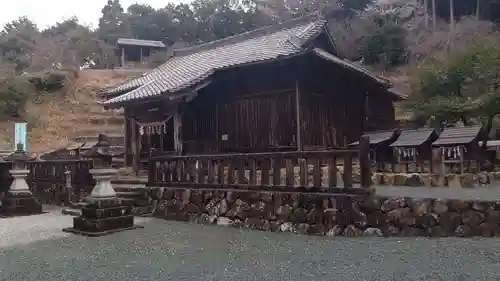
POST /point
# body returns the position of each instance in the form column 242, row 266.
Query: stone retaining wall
column 331, row 215
column 466, row 180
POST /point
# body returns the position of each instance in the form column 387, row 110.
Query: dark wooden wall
column 253, row 109
column 246, row 109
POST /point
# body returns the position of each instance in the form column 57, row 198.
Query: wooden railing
column 312, row 171
column 49, row 180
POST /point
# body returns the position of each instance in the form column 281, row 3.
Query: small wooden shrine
column 413, row 148
column 380, row 151
column 136, row 52
column 459, row 149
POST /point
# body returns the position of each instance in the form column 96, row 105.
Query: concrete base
column 98, row 234
column 20, row 204
column 102, row 216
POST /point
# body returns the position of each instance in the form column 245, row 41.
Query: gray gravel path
column 178, row 251
column 491, row 193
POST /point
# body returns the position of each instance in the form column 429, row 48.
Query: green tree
column 384, row 42
column 18, row 42
column 463, row 86
column 111, row 23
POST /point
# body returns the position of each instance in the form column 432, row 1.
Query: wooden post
column 364, row 161
column 443, row 165
column 178, row 131
column 134, row 145
column 461, row 148
column 128, row 135
column 151, row 168
column 298, row 120
column 123, row 56
column 434, row 17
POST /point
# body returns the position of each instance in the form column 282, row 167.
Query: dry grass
column 55, row 119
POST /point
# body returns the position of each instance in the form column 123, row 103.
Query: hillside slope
column 56, row 119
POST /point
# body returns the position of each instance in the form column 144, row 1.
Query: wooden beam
column 123, row 56
column 298, row 119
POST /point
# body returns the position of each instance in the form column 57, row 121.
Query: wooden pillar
column 364, row 161
column 127, row 137
column 298, row 119
column 178, row 131
column 434, row 17
column 123, row 56
column 134, row 146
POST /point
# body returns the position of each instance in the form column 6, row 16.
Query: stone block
column 400, row 179
column 388, row 178
column 468, row 180
column 377, row 179
column 453, row 181
column 20, row 204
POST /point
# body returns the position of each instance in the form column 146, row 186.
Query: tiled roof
column 458, row 135
column 193, row 65
column 413, row 137
column 351, row 65
column 377, row 137
column 138, row 42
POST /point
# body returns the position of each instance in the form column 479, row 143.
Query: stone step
column 122, row 194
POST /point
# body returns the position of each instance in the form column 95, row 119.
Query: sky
column 47, row 12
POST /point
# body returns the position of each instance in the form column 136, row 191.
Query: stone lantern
column 103, row 213
column 19, row 200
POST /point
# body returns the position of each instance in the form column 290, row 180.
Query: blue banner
column 21, row 135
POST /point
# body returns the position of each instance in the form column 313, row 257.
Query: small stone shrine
column 18, row 200
column 103, row 213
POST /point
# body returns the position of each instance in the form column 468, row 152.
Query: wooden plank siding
column 253, row 109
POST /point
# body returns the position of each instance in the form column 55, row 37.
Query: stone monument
column 103, row 212
column 18, row 200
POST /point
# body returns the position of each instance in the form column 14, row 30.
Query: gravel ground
column 491, row 193
column 178, row 251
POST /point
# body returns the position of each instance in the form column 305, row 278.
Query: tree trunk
column 464, row 120
column 452, row 24
column 434, row 17
column 426, row 14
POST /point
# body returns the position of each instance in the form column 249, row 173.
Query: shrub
column 49, row 81
column 14, row 92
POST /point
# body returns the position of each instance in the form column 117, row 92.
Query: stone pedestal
column 103, row 214
column 19, row 201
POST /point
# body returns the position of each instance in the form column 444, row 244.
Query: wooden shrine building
column 380, row 151
column 135, row 53
column 278, row 88
column 413, row 148
column 459, row 149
